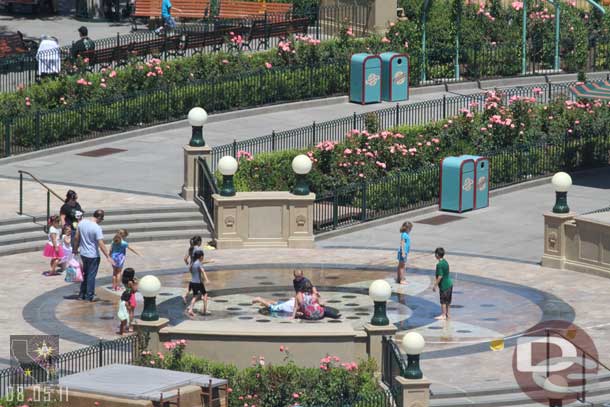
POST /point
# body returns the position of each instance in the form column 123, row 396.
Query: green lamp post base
column 228, row 188
column 301, row 187
column 150, row 310
column 561, row 203
column 197, row 137
column 379, row 316
column 413, row 371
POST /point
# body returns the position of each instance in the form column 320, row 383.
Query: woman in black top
column 71, row 212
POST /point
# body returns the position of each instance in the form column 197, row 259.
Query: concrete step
column 42, row 218
column 133, row 228
column 181, row 234
column 113, row 221
column 597, row 392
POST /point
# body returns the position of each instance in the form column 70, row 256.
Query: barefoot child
column 118, row 252
column 443, row 282
column 53, row 248
column 195, row 244
column 403, row 252
column 127, row 306
column 198, row 277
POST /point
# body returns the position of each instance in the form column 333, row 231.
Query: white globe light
column 301, row 164
column 227, row 165
column 561, row 182
column 413, row 343
column 197, row 117
column 380, row 291
column 149, row 286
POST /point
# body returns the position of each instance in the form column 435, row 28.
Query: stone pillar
column 384, row 12
column 374, row 347
column 415, row 393
column 263, row 219
column 554, row 239
column 191, row 154
column 152, row 328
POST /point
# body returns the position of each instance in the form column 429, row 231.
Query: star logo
column 27, row 372
column 44, row 351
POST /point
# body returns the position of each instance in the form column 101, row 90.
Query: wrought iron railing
column 206, row 187
column 392, row 365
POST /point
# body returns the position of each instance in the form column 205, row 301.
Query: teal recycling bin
column 365, row 79
column 457, row 184
column 481, row 177
column 394, row 77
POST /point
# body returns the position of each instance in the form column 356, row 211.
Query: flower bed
column 334, row 383
column 490, row 129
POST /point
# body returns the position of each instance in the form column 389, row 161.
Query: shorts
column 445, row 296
column 169, row 21
column 197, row 288
column 400, row 258
column 119, row 259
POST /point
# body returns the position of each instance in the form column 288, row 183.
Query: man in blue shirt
column 166, row 14
column 90, row 241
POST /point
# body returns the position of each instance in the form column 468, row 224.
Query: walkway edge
column 213, row 118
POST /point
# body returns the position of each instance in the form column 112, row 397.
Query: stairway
column 597, row 392
column 180, row 222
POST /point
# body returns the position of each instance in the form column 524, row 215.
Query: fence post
column 397, row 113
column 550, row 92
column 168, row 102
column 234, row 148
column 20, row 193
column 335, row 209
column 37, row 129
column 363, row 191
column 313, row 134
column 444, row 107
column 100, row 352
column 46, row 228
column 7, row 139
column 354, row 124
column 272, row 140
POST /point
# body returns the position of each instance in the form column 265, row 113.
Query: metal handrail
column 49, row 192
column 585, row 354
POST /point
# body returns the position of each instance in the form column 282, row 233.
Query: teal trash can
column 481, row 177
column 365, row 79
column 394, row 77
column 457, row 184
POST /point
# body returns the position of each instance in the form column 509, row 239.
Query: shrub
column 333, row 383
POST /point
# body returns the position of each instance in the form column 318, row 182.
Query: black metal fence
column 42, row 129
column 205, row 187
column 399, row 115
column 392, row 365
column 123, row 350
column 400, row 192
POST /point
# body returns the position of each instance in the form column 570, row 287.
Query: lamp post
column 413, row 344
column 227, row 166
column 561, row 183
column 380, row 292
column 149, row 287
column 301, row 165
column 197, row 117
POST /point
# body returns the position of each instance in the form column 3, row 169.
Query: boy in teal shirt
column 443, row 282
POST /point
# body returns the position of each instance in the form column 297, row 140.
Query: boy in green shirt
column 443, row 282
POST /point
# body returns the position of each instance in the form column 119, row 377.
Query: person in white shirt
column 48, row 57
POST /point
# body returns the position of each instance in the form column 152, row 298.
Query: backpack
column 74, row 273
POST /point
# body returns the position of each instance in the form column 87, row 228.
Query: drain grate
column 101, row 152
column 439, row 219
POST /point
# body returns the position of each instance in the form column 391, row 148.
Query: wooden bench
column 249, row 9
column 215, row 39
column 145, row 9
column 106, row 57
column 156, row 47
column 191, row 9
column 13, row 43
column 281, row 29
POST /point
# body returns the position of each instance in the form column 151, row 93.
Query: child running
column 198, row 277
column 53, row 248
column 195, row 244
column 443, row 282
column 118, row 252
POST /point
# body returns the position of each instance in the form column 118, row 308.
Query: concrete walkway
column 153, row 163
